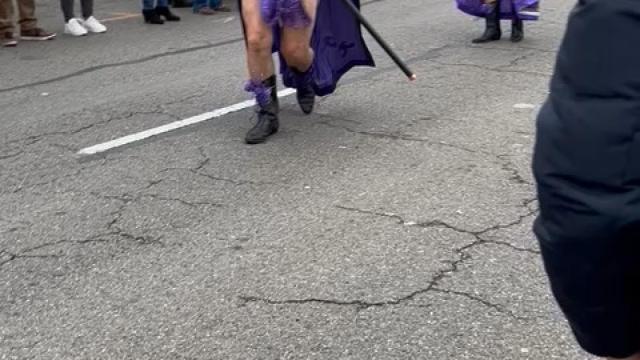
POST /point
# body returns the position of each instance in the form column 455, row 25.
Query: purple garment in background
column 509, row 9
column 338, row 45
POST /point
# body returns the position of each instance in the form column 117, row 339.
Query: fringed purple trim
column 261, row 92
column 289, row 12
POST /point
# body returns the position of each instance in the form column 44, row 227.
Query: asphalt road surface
column 394, row 223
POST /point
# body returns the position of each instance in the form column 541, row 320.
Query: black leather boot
column 492, row 31
column 152, row 17
column 268, row 109
column 180, row 3
column 517, row 30
column 305, row 94
column 168, row 15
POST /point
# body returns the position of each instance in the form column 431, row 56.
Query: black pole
column 401, row 64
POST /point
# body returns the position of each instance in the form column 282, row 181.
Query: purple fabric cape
column 508, row 8
column 338, row 45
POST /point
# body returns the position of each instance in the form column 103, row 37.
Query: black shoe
column 492, row 31
column 268, row 123
column 517, row 31
column 152, row 17
column 166, row 13
column 181, row 3
column 305, row 94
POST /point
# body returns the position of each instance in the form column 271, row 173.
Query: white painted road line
column 95, row 149
column 524, row 106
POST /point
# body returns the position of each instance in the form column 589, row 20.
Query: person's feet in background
column 74, row 27
column 29, row 29
column 78, row 27
column 93, row 25
column 8, row 40
column 209, row 7
column 154, row 15
column 221, row 7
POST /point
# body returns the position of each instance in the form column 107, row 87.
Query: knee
column 258, row 42
column 295, row 53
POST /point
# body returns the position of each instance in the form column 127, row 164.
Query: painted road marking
column 125, row 140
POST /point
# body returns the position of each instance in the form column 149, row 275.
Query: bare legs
column 295, row 49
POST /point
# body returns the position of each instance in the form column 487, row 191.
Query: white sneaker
column 93, row 25
column 74, row 27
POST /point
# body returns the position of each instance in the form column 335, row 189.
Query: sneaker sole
column 37, row 38
column 10, row 44
column 259, row 141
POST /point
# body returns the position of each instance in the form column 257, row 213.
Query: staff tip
column 413, row 77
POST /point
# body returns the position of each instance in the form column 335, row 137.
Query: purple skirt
column 509, row 9
column 338, row 45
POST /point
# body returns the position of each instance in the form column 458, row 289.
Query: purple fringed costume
column 509, row 9
column 337, row 40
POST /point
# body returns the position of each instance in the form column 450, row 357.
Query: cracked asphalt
column 394, row 223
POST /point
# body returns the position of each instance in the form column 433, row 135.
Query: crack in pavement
column 516, row 60
column 509, row 166
column 500, row 69
column 478, row 234
column 506, row 164
column 198, row 171
column 510, row 49
column 499, row 308
column 227, row 180
column 20, row 187
column 112, row 229
column 10, row 156
column 123, row 63
column 394, row 135
column 527, row 203
column 33, row 139
column 192, row 204
column 432, row 285
column 362, row 305
column 100, row 238
column 7, row 257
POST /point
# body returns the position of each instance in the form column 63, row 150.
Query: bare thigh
column 303, row 35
